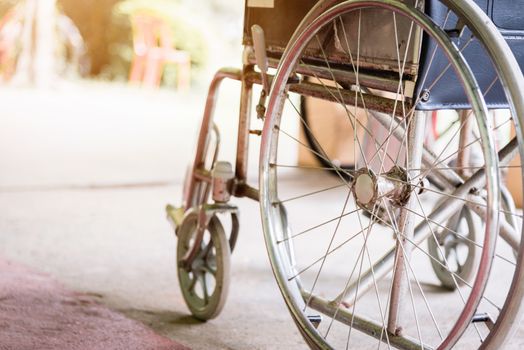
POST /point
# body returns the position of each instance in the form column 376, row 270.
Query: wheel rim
column 273, row 222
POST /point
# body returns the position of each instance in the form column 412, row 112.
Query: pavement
column 86, row 171
column 39, row 313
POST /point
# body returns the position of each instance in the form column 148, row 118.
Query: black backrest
column 447, row 93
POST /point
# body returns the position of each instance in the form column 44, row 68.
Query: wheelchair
column 417, row 243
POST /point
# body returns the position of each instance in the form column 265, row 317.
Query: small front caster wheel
column 205, row 282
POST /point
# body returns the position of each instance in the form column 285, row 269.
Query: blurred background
column 115, row 86
column 94, row 142
column 95, row 38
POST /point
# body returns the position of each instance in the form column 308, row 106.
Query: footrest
column 174, row 215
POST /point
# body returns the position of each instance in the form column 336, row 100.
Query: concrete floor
column 86, row 173
column 39, row 313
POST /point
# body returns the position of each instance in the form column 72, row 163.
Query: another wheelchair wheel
column 359, row 281
column 205, row 283
column 454, row 252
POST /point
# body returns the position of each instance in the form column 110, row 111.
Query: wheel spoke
column 193, row 283
column 321, row 154
column 397, row 237
column 329, row 246
column 309, row 194
column 318, row 226
column 334, row 60
column 328, row 253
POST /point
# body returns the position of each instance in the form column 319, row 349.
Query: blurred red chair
column 10, row 31
column 153, row 49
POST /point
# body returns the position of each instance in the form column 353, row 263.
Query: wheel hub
column 365, row 188
column 369, row 188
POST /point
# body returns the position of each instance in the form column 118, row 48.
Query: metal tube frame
column 406, row 223
column 384, row 265
column 247, row 76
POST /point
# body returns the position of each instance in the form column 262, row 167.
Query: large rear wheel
column 350, row 255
